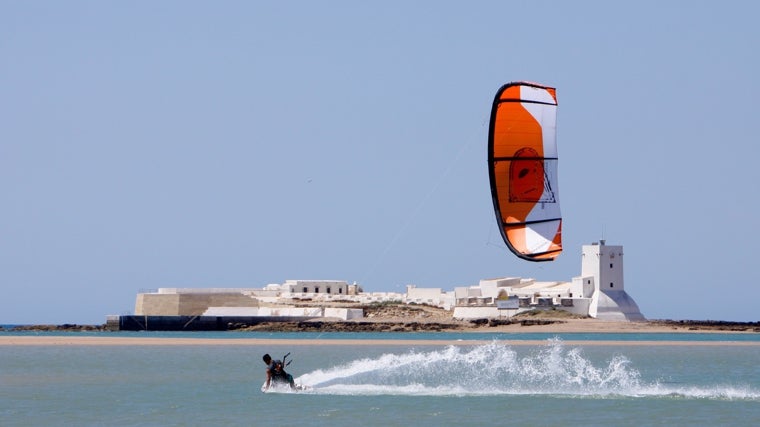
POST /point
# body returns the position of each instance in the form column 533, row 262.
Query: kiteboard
column 283, row 388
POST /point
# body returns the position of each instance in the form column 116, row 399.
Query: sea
column 376, row 379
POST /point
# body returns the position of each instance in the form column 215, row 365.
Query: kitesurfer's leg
column 291, row 381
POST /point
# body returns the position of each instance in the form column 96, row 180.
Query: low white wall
column 580, row 306
column 206, row 290
column 264, row 311
column 333, row 312
column 423, row 294
column 344, row 313
column 231, row 311
column 291, row 311
column 465, row 313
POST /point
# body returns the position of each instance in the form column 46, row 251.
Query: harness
column 279, row 376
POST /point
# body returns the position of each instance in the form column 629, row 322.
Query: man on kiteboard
column 276, row 373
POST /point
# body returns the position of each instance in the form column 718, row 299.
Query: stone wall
column 190, row 304
column 157, row 305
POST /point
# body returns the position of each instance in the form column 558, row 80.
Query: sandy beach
column 131, row 341
column 564, row 326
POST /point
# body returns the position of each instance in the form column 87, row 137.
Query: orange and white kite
column 522, row 167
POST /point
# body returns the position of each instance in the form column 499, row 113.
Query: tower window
column 328, row 290
column 316, row 290
column 305, row 289
column 611, row 284
column 610, row 265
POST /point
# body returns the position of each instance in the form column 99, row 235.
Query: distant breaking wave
column 496, row 369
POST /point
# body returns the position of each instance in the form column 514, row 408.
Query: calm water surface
column 379, row 385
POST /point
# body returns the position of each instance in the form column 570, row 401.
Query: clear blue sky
column 236, row 144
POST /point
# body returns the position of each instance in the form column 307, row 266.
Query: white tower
column 610, row 301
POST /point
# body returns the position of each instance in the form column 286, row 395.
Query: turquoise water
column 380, row 385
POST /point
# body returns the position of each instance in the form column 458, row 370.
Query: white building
column 604, row 265
column 598, row 292
column 319, row 287
column 429, row 296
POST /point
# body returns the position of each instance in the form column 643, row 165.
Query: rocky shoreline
column 422, row 318
column 479, row 325
column 712, row 325
column 488, row 325
column 68, row 327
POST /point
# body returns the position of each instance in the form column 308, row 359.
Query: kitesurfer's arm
column 269, row 379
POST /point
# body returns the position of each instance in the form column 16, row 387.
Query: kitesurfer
column 276, row 373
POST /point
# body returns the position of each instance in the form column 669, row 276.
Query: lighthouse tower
column 610, row 301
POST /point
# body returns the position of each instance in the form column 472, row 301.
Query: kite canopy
column 522, row 167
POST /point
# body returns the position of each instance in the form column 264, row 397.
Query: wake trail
column 495, row 369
